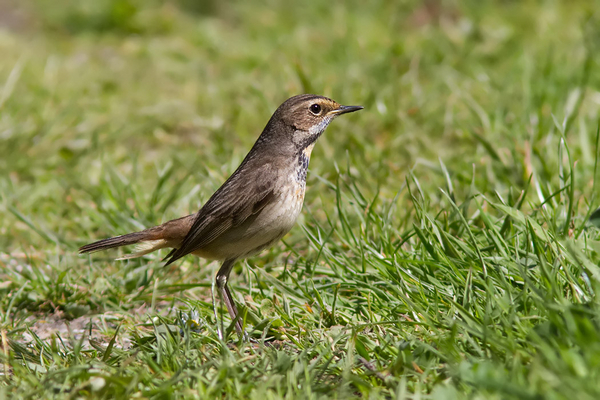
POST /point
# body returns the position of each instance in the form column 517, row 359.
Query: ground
column 445, row 249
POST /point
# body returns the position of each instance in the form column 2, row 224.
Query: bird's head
column 306, row 116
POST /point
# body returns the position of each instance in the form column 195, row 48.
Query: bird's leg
column 214, row 304
column 221, row 279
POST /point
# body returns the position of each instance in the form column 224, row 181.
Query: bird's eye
column 315, row 109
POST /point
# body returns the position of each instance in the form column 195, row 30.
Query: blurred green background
column 139, row 85
column 118, row 115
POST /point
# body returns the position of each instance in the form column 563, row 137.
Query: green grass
column 444, row 250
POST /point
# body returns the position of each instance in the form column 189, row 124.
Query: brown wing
column 244, row 194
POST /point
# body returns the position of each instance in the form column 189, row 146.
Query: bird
column 255, row 207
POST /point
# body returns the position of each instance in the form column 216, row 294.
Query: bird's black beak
column 345, row 109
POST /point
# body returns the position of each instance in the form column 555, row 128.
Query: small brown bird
column 256, row 206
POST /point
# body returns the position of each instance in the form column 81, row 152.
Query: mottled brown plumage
column 256, row 206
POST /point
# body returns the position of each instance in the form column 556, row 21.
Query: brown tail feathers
column 117, row 241
column 145, row 241
column 169, row 234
